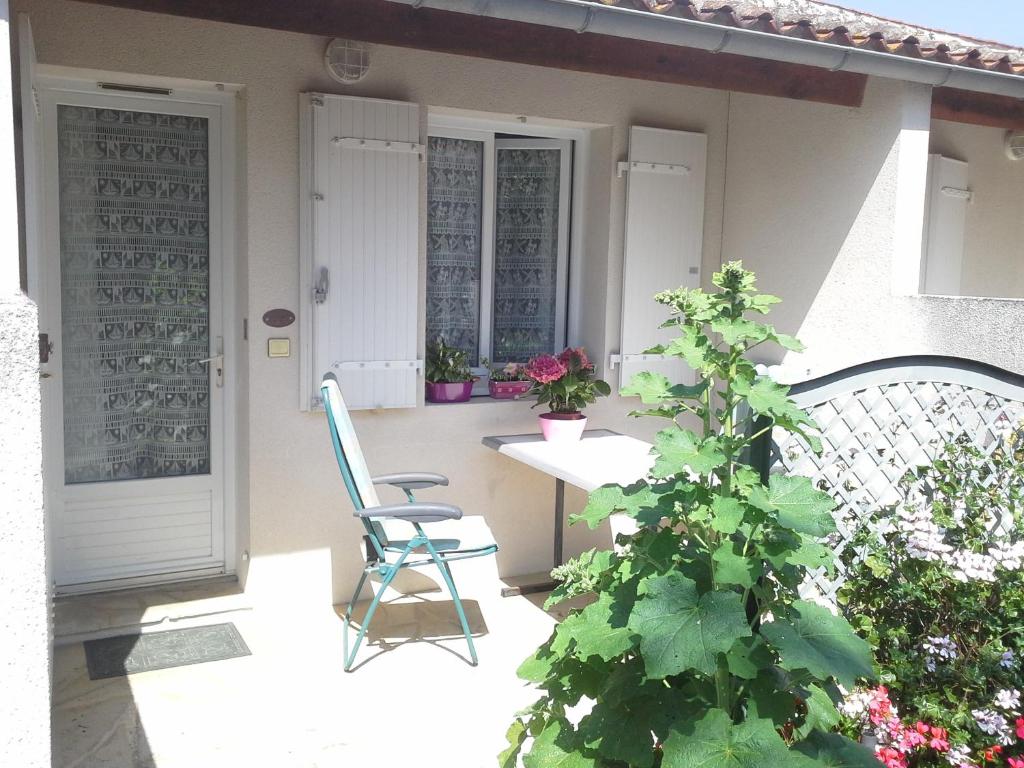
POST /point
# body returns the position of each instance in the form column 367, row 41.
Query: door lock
column 218, row 367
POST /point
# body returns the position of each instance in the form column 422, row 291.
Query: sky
column 999, row 20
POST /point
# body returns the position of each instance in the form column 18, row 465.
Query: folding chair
column 451, row 537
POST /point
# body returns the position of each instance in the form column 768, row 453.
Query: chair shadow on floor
column 406, row 616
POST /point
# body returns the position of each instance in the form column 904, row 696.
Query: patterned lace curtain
column 134, row 241
column 526, row 253
column 454, row 201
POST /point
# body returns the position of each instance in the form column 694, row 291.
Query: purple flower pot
column 562, row 427
column 508, row 390
column 449, row 392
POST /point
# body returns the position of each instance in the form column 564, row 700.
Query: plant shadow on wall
column 696, row 649
column 936, row 585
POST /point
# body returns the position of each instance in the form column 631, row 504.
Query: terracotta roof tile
column 823, row 22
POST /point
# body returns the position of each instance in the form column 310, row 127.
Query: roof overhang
column 583, row 16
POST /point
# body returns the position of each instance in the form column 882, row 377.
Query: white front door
column 134, row 260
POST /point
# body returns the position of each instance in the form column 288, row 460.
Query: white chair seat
column 468, row 534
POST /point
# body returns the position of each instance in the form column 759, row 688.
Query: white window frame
column 574, row 145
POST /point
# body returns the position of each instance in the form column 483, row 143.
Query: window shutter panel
column 664, row 239
column 362, row 160
column 945, row 225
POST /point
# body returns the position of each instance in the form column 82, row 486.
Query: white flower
column 972, row 566
column 1008, row 700
column 1009, row 556
column 959, row 755
column 942, row 647
column 855, row 705
column 1006, row 661
column 993, row 724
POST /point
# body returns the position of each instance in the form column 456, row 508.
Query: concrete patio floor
column 412, row 700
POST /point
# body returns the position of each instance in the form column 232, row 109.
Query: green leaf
column 694, row 347
column 735, row 330
column 621, row 733
column 786, row 341
column 727, row 513
column 600, row 628
column 638, row 501
column 556, row 747
column 733, row 567
column 835, row 751
column 747, row 657
column 821, row 715
column 680, row 448
column 515, row 735
column 680, row 630
column 762, row 302
column 539, row 665
column 813, row 555
column 654, row 388
column 812, row 638
column 715, row 742
column 770, row 399
column 798, row 505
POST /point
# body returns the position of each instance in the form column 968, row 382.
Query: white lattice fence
column 882, row 419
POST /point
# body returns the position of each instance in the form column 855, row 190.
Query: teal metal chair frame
column 379, row 547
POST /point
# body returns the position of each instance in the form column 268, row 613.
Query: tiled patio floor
column 411, row 702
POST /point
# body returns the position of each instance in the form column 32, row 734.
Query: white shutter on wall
column 944, row 226
column 664, row 239
column 361, row 164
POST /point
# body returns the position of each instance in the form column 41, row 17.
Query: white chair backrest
column 353, row 454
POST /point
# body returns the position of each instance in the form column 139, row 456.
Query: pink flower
column 575, row 359
column 1020, row 727
column 545, row 369
column 1015, row 762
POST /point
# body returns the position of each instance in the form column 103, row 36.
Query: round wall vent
column 1015, row 145
column 346, row 60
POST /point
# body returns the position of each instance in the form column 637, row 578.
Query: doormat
column 128, row 654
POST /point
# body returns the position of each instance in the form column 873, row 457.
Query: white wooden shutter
column 361, row 161
column 945, row 226
column 31, row 157
column 664, row 240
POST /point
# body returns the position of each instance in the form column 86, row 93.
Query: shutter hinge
column 318, row 196
column 322, row 286
column 316, row 99
column 316, row 402
column 45, row 347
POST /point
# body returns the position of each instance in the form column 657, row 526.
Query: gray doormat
column 128, row 654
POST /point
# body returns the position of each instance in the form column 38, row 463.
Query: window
column 498, row 211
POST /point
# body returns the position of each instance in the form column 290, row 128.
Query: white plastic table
column 601, row 457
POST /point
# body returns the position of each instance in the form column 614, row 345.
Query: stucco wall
column 814, row 200
column 994, row 242
column 803, row 193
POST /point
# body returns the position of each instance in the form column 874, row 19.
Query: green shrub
column 696, row 649
column 936, row 587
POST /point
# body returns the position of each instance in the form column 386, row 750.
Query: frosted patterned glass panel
column 454, row 206
column 526, row 253
column 135, row 276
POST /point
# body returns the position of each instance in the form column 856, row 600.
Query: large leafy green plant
column 695, row 650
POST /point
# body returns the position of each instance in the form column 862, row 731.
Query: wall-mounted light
column 1014, row 145
column 347, row 61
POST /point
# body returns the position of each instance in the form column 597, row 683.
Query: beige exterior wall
column 994, row 243
column 803, row 193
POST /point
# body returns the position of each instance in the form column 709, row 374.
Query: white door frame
column 216, row 102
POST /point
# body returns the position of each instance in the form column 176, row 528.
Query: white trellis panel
column 882, row 419
column 361, row 165
column 664, row 240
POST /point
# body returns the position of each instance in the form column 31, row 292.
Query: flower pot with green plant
column 509, row 382
column 566, row 384
column 449, row 378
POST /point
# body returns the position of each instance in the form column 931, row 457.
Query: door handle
column 218, row 367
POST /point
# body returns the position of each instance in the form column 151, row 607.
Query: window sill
column 484, row 400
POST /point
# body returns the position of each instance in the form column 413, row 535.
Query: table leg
column 559, row 518
column 548, row 584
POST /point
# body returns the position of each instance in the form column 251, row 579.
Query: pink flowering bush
column 936, row 586
column 565, row 383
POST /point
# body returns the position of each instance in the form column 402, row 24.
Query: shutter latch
column 320, row 289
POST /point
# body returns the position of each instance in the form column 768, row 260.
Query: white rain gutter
column 581, row 16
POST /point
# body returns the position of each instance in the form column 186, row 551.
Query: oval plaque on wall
column 278, row 318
